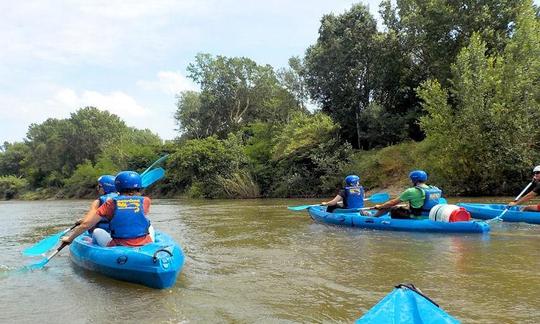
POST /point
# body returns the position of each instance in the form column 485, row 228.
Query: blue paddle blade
column 152, row 176
column 379, row 198
column 37, row 266
column 45, row 245
column 443, row 201
column 40, row 264
column 301, row 207
column 161, row 159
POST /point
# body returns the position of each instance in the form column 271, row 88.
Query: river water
column 254, row 261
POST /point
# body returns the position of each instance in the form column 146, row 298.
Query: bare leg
column 533, row 208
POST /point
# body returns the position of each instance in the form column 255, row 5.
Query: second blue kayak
column 155, row 265
column 489, row 211
column 355, row 219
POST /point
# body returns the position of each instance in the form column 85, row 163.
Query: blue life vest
column 129, row 220
column 432, row 196
column 354, row 197
column 104, row 222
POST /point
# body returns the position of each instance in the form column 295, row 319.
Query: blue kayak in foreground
column 155, row 265
column 355, row 219
column 405, row 304
column 489, row 211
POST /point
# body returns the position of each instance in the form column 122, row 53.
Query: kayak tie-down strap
column 416, row 290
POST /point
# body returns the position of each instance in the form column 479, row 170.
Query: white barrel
column 444, row 212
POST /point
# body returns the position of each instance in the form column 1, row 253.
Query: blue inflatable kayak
column 488, row 211
column 405, row 304
column 354, row 219
column 155, row 265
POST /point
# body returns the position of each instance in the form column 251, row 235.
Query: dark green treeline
column 452, row 87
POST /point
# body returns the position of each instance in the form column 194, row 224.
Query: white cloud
column 116, row 102
column 168, row 82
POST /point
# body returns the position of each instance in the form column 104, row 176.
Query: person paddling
column 532, row 194
column 421, row 198
column 126, row 213
column 106, row 189
column 350, row 196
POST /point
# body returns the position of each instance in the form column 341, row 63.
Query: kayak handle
column 155, row 258
column 416, row 290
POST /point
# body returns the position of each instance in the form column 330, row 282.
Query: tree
column 234, row 92
column 293, row 79
column 433, row 32
column 12, row 157
column 488, row 131
column 340, row 68
column 58, row 146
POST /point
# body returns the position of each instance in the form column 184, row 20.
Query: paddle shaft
column 63, row 245
column 507, row 208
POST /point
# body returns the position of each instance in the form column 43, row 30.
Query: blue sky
column 129, row 57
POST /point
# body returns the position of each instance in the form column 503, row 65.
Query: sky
column 129, row 57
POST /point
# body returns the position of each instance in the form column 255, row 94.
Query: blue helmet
column 352, row 180
column 107, row 183
column 418, row 176
column 127, row 180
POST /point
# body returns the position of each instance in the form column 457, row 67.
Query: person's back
column 351, row 196
column 420, row 197
column 126, row 213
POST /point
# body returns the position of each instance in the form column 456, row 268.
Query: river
column 254, row 261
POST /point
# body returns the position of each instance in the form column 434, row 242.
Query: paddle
column 43, row 262
column 377, row 198
column 47, row 243
column 152, row 176
column 507, row 208
column 161, row 159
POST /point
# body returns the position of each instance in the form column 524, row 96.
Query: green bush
column 11, row 186
column 198, row 164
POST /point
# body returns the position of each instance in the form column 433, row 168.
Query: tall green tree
column 293, row 79
column 58, row 146
column 234, row 92
column 488, row 131
column 12, row 156
column 433, row 32
column 341, row 68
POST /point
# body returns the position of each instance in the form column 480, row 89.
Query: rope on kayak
column 155, row 258
column 416, row 290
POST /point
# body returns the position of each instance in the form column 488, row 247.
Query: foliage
column 58, row 146
column 234, row 92
column 239, row 185
column 293, row 79
column 483, row 132
column 340, row 67
column 433, row 32
column 11, row 157
column 11, row 186
column 199, row 163
column 307, row 154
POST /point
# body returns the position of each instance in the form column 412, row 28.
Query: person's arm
column 93, row 207
column 388, row 204
column 332, row 202
column 525, row 198
column 90, row 220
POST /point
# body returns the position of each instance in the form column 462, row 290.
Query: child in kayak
column 126, row 213
column 351, row 196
